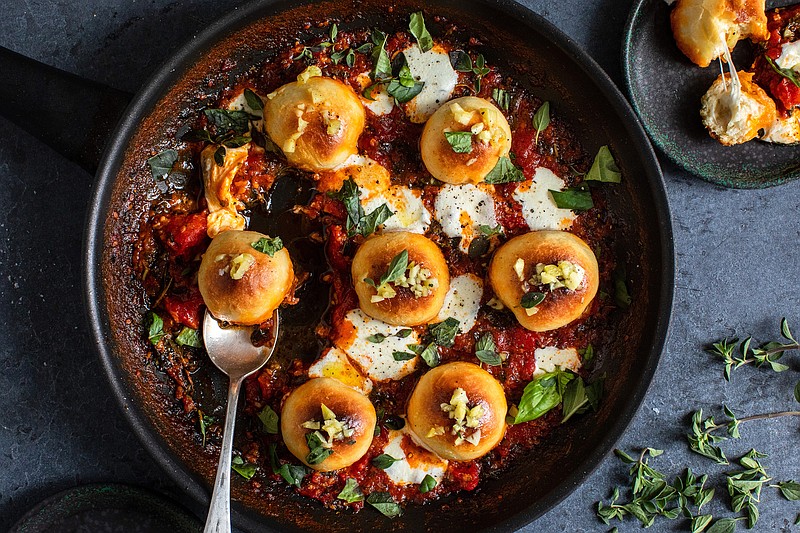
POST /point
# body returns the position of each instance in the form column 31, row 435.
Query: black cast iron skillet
column 513, row 37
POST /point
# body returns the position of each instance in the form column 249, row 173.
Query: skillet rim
column 172, row 70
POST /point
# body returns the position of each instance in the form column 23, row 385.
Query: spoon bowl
column 231, row 349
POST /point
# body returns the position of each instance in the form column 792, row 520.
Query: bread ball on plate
column 315, row 120
column 338, row 420
column 464, row 139
column 458, row 410
column 241, row 284
column 416, row 278
column 546, row 278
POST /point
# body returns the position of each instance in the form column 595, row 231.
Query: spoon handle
column 219, row 513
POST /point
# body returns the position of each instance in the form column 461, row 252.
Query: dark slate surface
column 737, row 257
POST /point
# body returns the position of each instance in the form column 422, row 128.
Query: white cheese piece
column 548, row 358
column 414, row 462
column 434, row 69
column 538, row 207
column 335, row 364
column 410, row 213
column 375, row 359
column 461, row 209
column 790, row 56
column 239, row 103
column 784, row 130
column 463, row 301
column 382, row 103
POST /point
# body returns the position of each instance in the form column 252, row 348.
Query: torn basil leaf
column 541, row 119
column 504, row 172
column 348, row 194
column 351, row 493
column 444, row 333
column 204, row 421
column 403, row 356
column 382, row 65
column 292, row 474
column 161, row 164
column 577, row 198
column 189, row 337
column 269, row 420
column 225, row 120
column 486, row 350
column 430, row 355
column 402, row 93
column 460, row 141
column 219, row 156
column 384, row 461
column 542, row 394
column 461, row 61
column 787, row 73
column 269, row 246
column 155, row 327
column 417, row 28
column 317, row 452
column 377, row 338
column 246, row 470
column 478, row 247
column 375, row 218
column 383, row 502
column 531, row 299
column 604, row 168
column 487, row 230
column 253, row 100
column 428, row 484
column 502, row 98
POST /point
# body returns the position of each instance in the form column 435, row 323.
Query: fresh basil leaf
column 236, row 142
column 790, row 490
column 246, row 470
column 594, row 392
column 226, row 120
column 577, row 198
column 444, row 333
column 269, row 246
column 204, row 421
column 348, row 194
column 368, row 92
column 461, row 61
column 161, row 164
column 575, row 399
column 396, row 268
column 486, row 350
column 541, row 119
column 478, row 247
column 404, row 76
column 430, row 355
column 787, row 73
column 532, row 299
column 384, row 461
column 428, row 484
column 254, row 101
column 317, row 452
column 382, row 65
column 587, row 354
column 341, row 54
column 155, row 328
column 403, row 356
column 395, row 422
column 292, row 474
column 504, row 172
column 189, row 337
column 334, row 32
column 621, row 295
column 375, row 218
column 460, row 141
column 604, row 168
column 490, row 231
column 364, row 48
column 417, row 28
column 197, row 136
column 502, row 98
column 377, row 338
column 403, row 94
column 542, row 394
column 351, row 493
column 383, row 502
column 269, row 420
column 403, row 333
column 219, row 156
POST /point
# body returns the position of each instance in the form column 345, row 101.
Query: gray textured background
column 738, row 272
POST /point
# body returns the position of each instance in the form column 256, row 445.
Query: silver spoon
column 232, row 351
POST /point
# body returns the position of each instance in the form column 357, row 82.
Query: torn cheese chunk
column 785, row 130
column 463, row 301
column 382, row 103
column 413, row 461
column 538, row 207
column 790, row 56
column 549, row 357
column 223, row 211
column 462, row 209
column 433, row 68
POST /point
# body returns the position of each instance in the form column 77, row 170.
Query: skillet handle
column 72, row 115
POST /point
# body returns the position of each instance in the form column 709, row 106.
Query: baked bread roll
column 555, row 264
column 240, row 284
column 483, row 130
column 340, row 419
column 458, row 410
column 416, row 294
column 316, row 121
column 733, row 115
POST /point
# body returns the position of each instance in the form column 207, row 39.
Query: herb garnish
column 269, row 420
column 486, row 350
column 428, row 484
column 532, row 299
column 384, row 461
column 460, row 141
column 189, row 337
column 253, row 100
column 204, row 421
column 383, row 502
column 226, row 120
column 541, row 119
column 767, row 354
column 246, row 470
column 380, row 337
column 502, row 98
column 162, row 163
column 577, row 198
column 155, row 331
column 351, row 493
column 462, row 62
column 604, row 168
column 317, row 451
column 269, row 246
column 790, row 489
column 403, row 356
column 444, row 333
column 504, row 172
column 787, row 73
column 547, row 391
column 404, row 87
column 417, row 28
column 622, row 296
column 393, row 273
column 292, row 474
column 489, row 231
column 356, row 221
column 382, row 65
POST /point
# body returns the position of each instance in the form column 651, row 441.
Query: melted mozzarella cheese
column 434, row 69
column 790, row 56
column 410, row 213
column 239, row 103
column 548, row 358
column 335, row 364
column 413, row 461
column 382, row 103
column 784, row 130
column 460, row 209
column 375, row 359
column 463, row 301
column 538, row 207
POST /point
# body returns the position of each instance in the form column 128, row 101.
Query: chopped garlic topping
column 308, row 73
column 435, row 431
column 240, row 265
column 564, row 274
column 333, row 427
column 415, row 278
column 463, row 417
column 519, row 268
column 460, row 115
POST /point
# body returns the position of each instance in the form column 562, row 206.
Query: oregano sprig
column 735, row 354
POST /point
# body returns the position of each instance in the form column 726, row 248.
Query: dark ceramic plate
column 665, row 89
column 107, row 509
